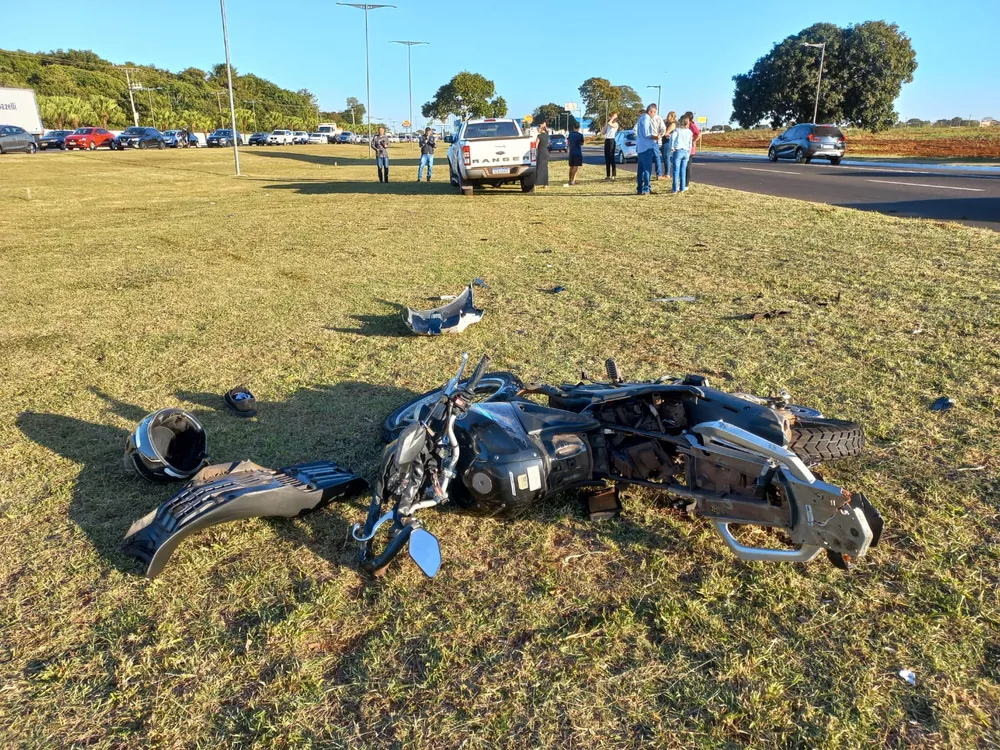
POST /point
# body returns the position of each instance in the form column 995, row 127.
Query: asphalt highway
column 969, row 196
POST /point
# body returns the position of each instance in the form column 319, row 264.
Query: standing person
column 680, row 151
column 695, row 135
column 609, row 132
column 427, row 144
column 645, row 145
column 670, row 125
column 380, row 144
column 542, row 158
column 660, row 129
column 575, row 152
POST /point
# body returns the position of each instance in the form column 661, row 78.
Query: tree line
column 77, row 87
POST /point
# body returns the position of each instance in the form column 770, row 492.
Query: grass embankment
column 134, row 281
column 972, row 145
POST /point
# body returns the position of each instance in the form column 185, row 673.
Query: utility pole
column 409, row 69
column 658, row 92
column 131, row 98
column 253, row 103
column 229, row 77
column 822, row 54
column 368, row 78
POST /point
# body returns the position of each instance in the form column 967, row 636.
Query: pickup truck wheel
column 528, row 184
column 465, row 187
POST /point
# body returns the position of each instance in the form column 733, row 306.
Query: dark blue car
column 558, row 143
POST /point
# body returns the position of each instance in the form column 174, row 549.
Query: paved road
column 951, row 194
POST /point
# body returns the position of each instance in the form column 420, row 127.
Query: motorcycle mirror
column 425, row 551
column 411, row 442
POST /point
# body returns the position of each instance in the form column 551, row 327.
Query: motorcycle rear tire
column 816, row 440
column 497, row 386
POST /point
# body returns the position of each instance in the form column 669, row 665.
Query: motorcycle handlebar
column 477, row 374
column 374, row 565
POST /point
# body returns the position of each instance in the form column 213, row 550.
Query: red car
column 89, row 138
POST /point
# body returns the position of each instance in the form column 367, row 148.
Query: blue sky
column 542, row 52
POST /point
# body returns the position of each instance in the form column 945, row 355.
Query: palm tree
column 79, row 112
column 106, row 109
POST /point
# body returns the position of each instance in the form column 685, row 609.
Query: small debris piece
column 478, row 281
column 971, row 468
column 908, row 675
column 672, row 299
column 554, row 290
column 546, row 250
column 700, row 244
column 942, row 404
column 767, row 314
column 919, row 328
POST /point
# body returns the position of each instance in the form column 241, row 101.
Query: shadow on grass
column 395, row 187
column 340, row 422
column 388, row 325
column 984, row 211
column 333, row 160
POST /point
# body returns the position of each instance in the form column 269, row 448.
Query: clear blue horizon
column 322, row 48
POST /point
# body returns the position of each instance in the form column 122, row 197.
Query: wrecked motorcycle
column 485, row 445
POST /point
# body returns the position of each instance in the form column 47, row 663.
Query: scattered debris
column 765, row 315
column 546, row 250
column 942, row 404
column 672, row 299
column 802, row 618
column 28, row 191
column 908, row 675
column 454, row 317
column 554, row 290
column 521, row 332
column 971, row 468
column 919, row 328
column 212, row 203
column 700, row 244
column 478, row 281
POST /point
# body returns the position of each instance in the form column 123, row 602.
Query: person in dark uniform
column 542, row 159
column 575, row 152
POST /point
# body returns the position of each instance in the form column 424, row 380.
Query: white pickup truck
column 493, row 152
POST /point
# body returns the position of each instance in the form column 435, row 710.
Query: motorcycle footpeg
column 228, row 492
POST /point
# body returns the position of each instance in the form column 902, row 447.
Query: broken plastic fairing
column 228, row 492
column 454, row 317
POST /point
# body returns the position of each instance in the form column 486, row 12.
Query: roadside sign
column 406, row 123
column 701, row 119
column 571, row 106
column 527, row 119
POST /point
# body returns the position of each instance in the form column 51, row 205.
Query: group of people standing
column 664, row 147
column 574, row 144
column 380, row 145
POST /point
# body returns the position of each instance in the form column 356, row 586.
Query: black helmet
column 167, row 445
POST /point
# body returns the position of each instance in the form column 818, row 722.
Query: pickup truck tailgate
column 501, row 152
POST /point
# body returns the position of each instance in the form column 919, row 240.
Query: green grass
column 133, row 281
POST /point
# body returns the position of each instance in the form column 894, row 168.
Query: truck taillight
column 466, row 156
column 534, row 151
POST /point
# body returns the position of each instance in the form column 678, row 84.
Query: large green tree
column 601, row 98
column 553, row 114
column 864, row 69
column 467, row 94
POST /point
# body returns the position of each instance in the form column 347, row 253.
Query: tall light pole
column 822, row 54
column 409, row 70
column 659, row 90
column 229, row 76
column 368, row 79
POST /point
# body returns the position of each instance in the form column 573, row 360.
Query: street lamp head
column 366, row 6
column 409, row 44
column 817, row 45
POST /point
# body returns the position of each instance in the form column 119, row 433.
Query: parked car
column 89, row 138
column 177, row 138
column 194, row 141
column 626, row 143
column 280, row 138
column 139, row 138
column 300, row 137
column 318, row 138
column 492, row 151
column 15, row 138
column 54, row 139
column 807, row 141
column 258, row 139
column 558, row 142
column 346, row 137
column 222, row 137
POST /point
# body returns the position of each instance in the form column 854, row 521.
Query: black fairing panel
column 506, row 466
column 759, row 420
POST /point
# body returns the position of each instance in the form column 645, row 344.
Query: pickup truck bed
column 492, row 152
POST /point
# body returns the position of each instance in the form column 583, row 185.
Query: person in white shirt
column 610, row 131
column 661, row 130
column 680, row 151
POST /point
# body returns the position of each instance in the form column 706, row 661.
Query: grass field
column 133, row 281
column 973, row 145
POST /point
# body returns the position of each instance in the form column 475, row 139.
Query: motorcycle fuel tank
column 516, row 453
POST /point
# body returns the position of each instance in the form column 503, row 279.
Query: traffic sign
column 527, row 119
column 406, row 123
column 571, row 106
column 701, row 119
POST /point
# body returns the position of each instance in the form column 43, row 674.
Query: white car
column 280, row 138
column 300, row 136
column 626, row 144
column 318, row 138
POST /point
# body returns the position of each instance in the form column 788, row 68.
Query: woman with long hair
column 610, row 131
column 680, row 152
column 542, row 159
column 670, row 122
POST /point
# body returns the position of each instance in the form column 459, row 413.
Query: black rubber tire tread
column 510, row 385
column 826, row 439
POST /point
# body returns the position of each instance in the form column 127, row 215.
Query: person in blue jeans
column 646, row 144
column 380, row 145
column 680, row 152
column 427, row 144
